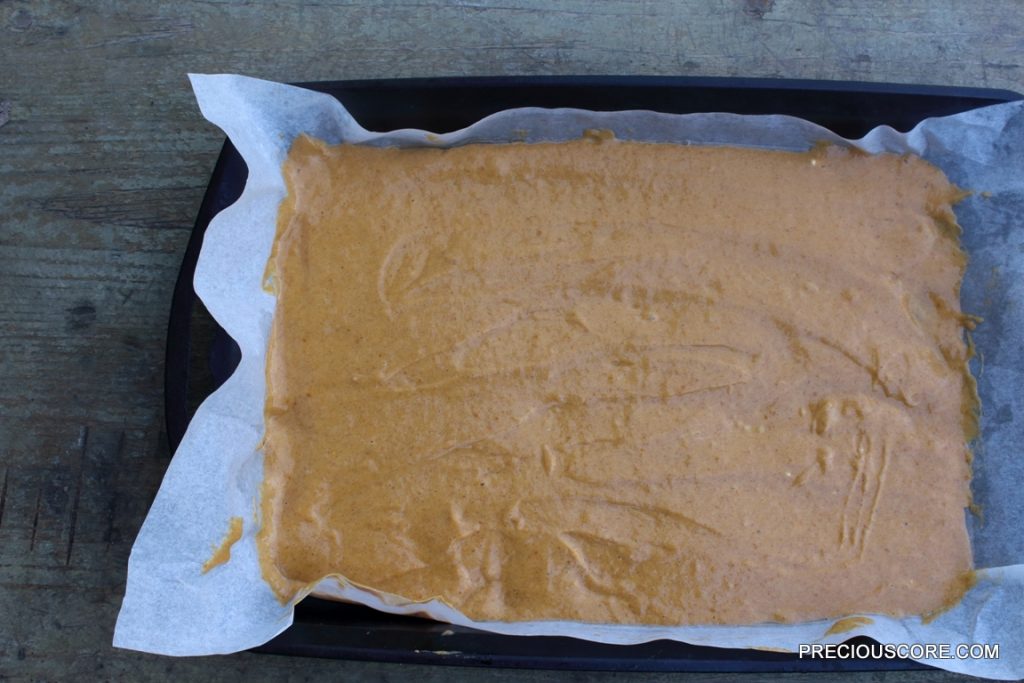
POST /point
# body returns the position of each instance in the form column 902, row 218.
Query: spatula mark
column 863, row 494
column 655, row 512
column 874, row 502
column 409, row 264
column 489, row 437
column 873, row 368
column 593, row 579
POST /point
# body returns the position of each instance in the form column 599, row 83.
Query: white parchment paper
column 171, row 607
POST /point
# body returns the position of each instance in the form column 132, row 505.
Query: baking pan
column 201, row 356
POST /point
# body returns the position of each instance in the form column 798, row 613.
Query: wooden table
column 104, row 160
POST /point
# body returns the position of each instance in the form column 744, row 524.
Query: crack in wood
column 35, row 519
column 84, row 442
column 108, row 536
column 3, row 495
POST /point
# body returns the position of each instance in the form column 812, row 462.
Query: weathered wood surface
column 103, row 161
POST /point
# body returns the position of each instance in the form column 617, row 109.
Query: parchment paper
column 171, row 607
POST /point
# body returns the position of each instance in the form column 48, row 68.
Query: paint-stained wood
column 103, row 162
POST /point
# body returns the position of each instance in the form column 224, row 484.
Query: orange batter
column 619, row 382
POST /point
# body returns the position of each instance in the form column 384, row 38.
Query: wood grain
column 103, row 162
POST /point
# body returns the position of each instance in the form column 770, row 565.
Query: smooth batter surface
column 616, row 382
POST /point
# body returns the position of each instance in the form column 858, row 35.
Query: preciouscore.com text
column 899, row 650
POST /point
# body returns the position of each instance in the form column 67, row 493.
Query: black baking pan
column 200, row 355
